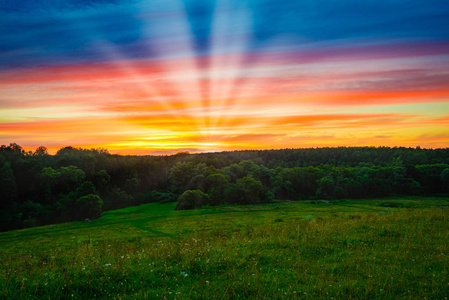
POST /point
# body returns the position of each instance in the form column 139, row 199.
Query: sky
column 162, row 76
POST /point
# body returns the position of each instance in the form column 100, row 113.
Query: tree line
column 74, row 184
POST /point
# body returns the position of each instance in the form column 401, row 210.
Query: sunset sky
column 162, row 76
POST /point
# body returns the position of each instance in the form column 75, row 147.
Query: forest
column 78, row 184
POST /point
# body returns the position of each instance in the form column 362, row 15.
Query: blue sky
column 52, row 32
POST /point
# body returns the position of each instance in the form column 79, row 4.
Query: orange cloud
column 304, row 98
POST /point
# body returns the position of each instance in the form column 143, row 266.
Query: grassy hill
column 365, row 249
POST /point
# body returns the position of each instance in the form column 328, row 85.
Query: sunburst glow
column 158, row 77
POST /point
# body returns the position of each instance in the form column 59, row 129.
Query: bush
column 89, row 206
column 192, row 199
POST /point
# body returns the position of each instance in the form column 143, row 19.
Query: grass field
column 395, row 248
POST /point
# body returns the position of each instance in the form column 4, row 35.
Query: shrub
column 192, row 199
column 89, row 206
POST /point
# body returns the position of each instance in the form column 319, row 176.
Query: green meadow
column 390, row 248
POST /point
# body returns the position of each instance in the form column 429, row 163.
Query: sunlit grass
column 350, row 249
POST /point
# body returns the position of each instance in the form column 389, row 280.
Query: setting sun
column 153, row 78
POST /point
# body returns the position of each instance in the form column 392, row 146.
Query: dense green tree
column 231, row 194
column 430, row 177
column 296, row 183
column 38, row 188
column 41, row 151
column 188, row 175
column 89, row 206
column 192, row 199
column 251, row 191
column 445, row 179
column 31, row 213
column 216, row 184
column 182, row 175
column 102, row 180
column 60, row 181
column 326, row 188
column 132, row 184
column 117, row 198
column 8, row 188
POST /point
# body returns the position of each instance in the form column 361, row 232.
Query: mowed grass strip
column 365, row 249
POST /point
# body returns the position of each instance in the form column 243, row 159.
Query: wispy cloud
column 226, row 74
